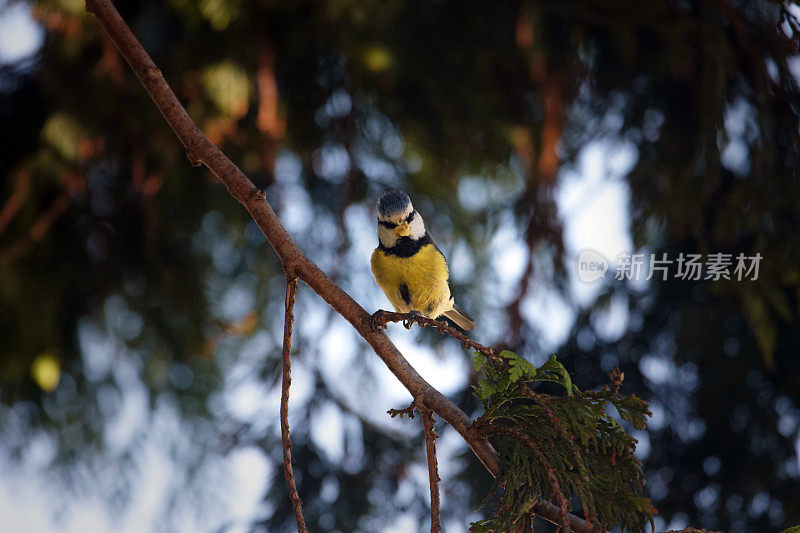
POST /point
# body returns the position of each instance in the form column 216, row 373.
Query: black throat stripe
column 405, row 246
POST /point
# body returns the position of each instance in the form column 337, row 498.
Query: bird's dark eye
column 386, row 224
column 410, row 217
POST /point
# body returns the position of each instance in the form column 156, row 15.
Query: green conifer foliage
column 565, row 448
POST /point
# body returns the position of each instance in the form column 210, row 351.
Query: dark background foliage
column 124, row 268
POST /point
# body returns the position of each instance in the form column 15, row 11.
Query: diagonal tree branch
column 201, row 150
column 297, row 505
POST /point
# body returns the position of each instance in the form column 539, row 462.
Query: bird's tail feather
column 462, row 319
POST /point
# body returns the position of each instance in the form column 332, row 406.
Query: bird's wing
column 437, row 247
column 449, row 285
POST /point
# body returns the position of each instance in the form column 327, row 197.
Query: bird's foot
column 411, row 315
column 376, row 321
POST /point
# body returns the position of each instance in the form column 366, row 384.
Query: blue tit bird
column 408, row 265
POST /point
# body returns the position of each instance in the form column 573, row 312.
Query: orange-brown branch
column 201, row 151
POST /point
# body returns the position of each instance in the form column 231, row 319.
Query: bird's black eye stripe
column 411, row 216
column 386, row 224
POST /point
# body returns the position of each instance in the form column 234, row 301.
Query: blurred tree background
column 141, row 311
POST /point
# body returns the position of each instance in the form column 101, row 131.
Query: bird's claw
column 375, row 321
column 409, row 321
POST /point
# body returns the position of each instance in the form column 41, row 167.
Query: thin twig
column 14, row 202
column 433, row 468
column 382, row 317
column 38, row 230
column 202, row 151
column 297, row 505
column 430, row 449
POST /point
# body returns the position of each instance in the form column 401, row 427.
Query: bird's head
column 397, row 219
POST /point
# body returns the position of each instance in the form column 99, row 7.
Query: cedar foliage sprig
column 560, row 448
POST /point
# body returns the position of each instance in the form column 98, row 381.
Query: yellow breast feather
column 416, row 283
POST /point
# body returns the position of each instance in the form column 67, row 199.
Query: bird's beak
column 402, row 229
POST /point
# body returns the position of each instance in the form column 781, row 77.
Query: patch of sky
column 226, row 254
column 657, row 369
column 659, row 419
column 546, row 308
column 741, row 132
column 122, row 321
column 610, row 322
column 447, row 374
column 133, row 412
column 252, row 470
column 339, row 104
column 793, row 64
column 251, row 348
column 509, row 255
column 315, row 317
column 678, row 522
column 21, row 36
column 402, row 523
column 712, row 465
column 360, row 224
column 97, row 350
column 758, row 504
column 375, row 127
column 708, row 497
column 58, row 404
column 337, row 352
column 789, row 416
column 41, row 451
column 294, row 209
column 288, row 168
column 327, row 431
column 642, row 450
column 593, row 203
column 181, row 376
column 476, row 193
column 329, row 490
column 239, row 299
column 376, row 168
column 462, row 267
column 331, row 162
column 651, row 125
column 392, row 145
column 352, row 462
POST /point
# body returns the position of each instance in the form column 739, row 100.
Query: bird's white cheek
column 416, row 228
column 387, row 237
